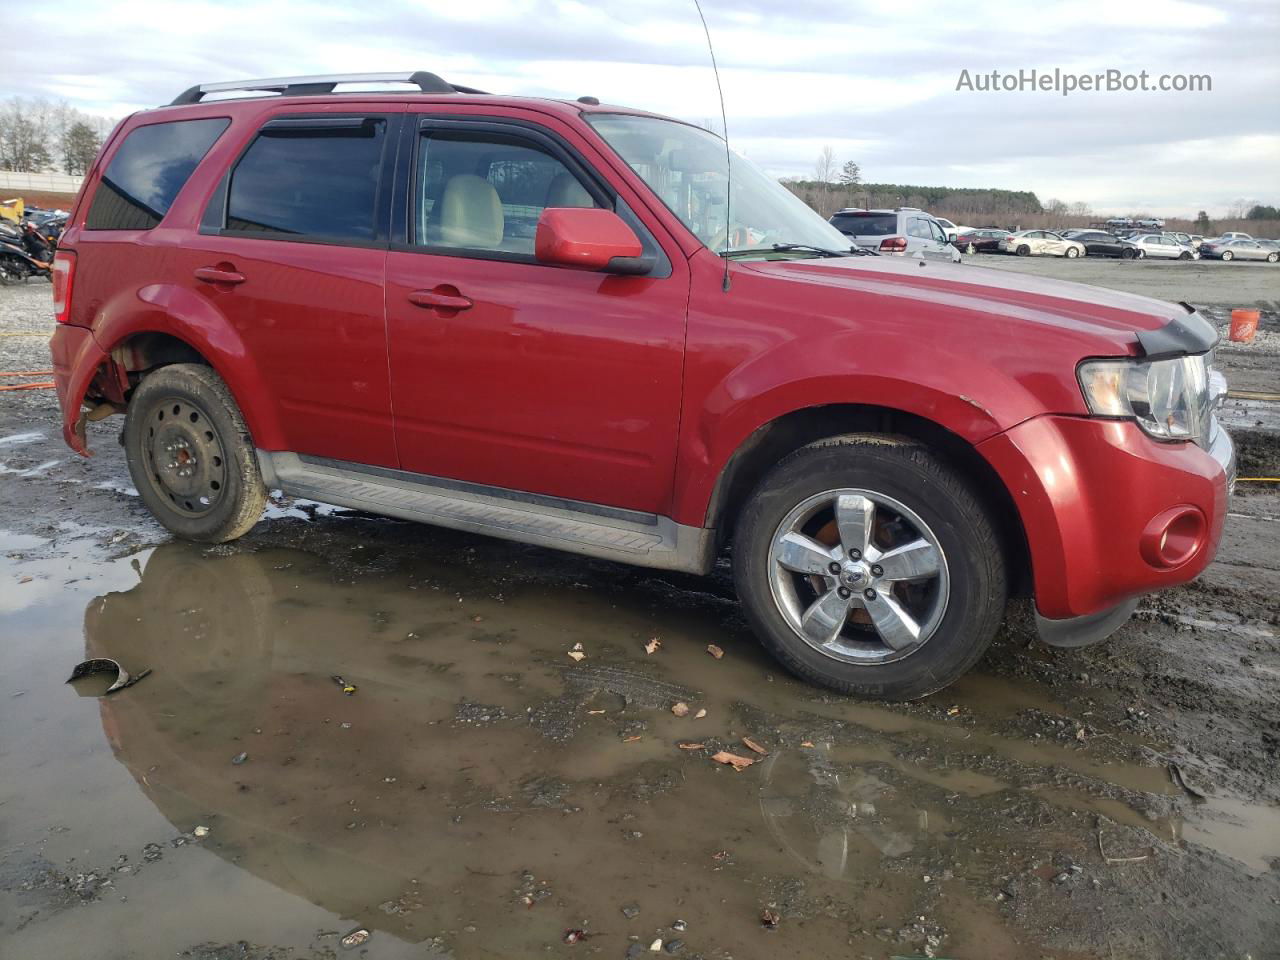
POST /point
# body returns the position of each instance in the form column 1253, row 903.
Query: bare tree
column 22, row 147
column 824, row 171
column 1080, row 209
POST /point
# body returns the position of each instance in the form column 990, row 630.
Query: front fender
column 972, row 402
column 195, row 320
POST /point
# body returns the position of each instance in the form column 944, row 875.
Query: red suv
column 557, row 322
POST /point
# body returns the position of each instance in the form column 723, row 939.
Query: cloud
column 876, row 81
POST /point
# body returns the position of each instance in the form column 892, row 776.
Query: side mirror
column 589, row 238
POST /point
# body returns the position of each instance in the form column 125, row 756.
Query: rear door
column 291, row 251
column 510, row 373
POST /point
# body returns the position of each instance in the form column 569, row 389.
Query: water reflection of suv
column 338, row 294
column 904, row 232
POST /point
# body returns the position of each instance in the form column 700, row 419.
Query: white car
column 1026, row 243
column 1231, row 235
column 950, row 229
column 1163, row 246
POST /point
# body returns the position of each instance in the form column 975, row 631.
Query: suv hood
column 1106, row 322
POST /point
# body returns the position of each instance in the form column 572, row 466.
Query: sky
column 876, row 81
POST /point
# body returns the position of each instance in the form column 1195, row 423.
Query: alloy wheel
column 859, row 576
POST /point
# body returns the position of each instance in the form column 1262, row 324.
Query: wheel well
column 143, row 352
column 773, row 441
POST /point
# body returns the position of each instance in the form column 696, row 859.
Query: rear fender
column 196, row 321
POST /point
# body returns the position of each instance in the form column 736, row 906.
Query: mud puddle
column 480, row 792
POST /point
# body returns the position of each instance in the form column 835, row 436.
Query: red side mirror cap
column 587, row 238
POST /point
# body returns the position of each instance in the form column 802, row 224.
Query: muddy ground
column 480, row 793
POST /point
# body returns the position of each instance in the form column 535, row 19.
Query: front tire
column 868, row 565
column 1024, row 250
column 1072, row 253
column 1273, row 257
column 1228, row 255
column 191, row 456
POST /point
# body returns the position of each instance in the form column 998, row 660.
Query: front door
column 510, row 373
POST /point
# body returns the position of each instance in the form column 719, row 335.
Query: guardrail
column 11, row 180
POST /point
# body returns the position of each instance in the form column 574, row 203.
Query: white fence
column 11, row 181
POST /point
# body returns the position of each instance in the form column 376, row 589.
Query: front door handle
column 222, row 273
column 444, row 298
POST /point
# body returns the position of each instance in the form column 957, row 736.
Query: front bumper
column 1088, row 492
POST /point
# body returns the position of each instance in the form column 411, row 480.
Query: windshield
column 685, row 166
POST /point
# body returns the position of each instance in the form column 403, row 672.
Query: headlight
column 1169, row 399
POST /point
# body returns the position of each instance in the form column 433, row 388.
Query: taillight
column 894, row 244
column 64, row 272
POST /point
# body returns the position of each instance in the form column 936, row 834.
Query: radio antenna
column 728, row 156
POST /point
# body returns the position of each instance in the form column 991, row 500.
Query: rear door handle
column 443, row 297
column 223, row 273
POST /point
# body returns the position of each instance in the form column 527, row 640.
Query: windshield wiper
column 821, row 251
column 786, row 247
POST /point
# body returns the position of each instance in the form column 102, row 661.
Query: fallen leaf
column 714, row 651
column 770, row 919
column 653, row 645
column 952, row 711
column 806, row 743
column 355, row 938
column 732, row 759
column 690, row 746
column 595, row 712
column 752, row 745
column 680, row 709
column 700, row 714
column 1080, row 734
column 578, row 655
column 630, row 739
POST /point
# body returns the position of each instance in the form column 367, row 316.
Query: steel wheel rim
column 876, row 595
column 185, row 461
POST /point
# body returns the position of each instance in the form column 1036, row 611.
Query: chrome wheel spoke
column 897, row 628
column 824, row 619
column 856, row 520
column 803, row 554
column 917, row 560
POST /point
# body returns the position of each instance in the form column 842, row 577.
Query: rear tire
column 1273, row 257
column 952, row 592
column 1127, row 254
column 1184, row 255
column 1072, row 253
column 191, row 456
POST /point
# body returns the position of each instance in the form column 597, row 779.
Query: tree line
column 38, row 135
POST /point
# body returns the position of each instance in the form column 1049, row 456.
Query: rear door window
column 866, row 225
column 145, row 174
column 312, row 178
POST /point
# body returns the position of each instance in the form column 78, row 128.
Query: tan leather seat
column 565, row 191
column 470, row 213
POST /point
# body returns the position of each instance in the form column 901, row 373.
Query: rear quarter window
column 145, row 174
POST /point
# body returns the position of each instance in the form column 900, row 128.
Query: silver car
column 1164, row 247
column 904, row 232
column 1238, row 250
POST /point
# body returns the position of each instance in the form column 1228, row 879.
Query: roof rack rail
column 310, row 86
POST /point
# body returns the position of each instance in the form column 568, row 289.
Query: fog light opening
column 1173, row 537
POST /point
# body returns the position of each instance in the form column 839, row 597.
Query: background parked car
column 1120, row 222
column 1238, row 250
column 950, row 229
column 1163, row 247
column 905, row 232
column 1099, row 243
column 1150, row 222
column 1233, row 235
column 1041, row 243
column 986, row 240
